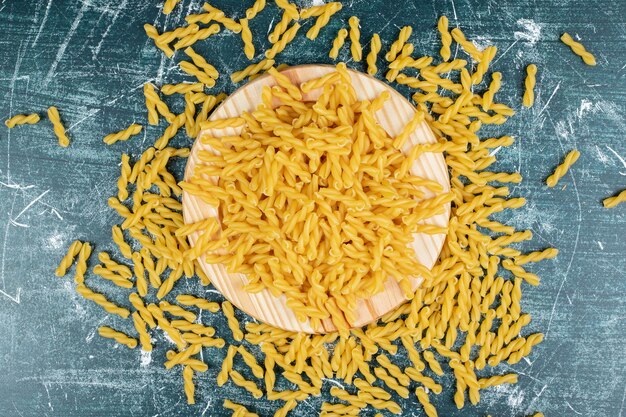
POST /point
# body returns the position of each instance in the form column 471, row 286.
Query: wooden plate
column 392, row 117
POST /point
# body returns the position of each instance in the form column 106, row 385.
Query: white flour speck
column 531, row 31
column 145, row 359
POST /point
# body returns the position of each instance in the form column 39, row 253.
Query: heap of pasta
column 467, row 315
column 315, row 199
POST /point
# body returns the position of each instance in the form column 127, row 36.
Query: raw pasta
column 338, row 43
column 529, row 94
column 59, row 129
column 611, row 202
column 562, row 169
column 125, row 134
column 355, row 34
column 21, row 119
column 578, row 49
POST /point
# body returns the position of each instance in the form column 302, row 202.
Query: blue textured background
column 90, row 58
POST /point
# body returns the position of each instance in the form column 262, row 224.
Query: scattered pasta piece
column 398, row 44
column 59, row 130
column 119, row 337
column 529, row 94
column 375, row 46
column 68, row 259
column 252, row 69
column 562, row 169
column 169, row 6
column 322, row 20
column 614, row 201
column 125, row 134
column 256, row 8
column 246, row 36
column 21, row 119
column 578, row 49
column 355, row 34
column 446, row 38
column 338, row 42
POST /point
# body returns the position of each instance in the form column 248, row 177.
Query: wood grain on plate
column 392, row 117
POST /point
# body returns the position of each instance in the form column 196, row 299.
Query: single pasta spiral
column 338, row 42
column 529, row 83
column 252, row 69
column 21, row 119
column 614, row 201
column 169, row 6
column 246, row 36
column 494, row 86
column 59, row 130
column 188, row 384
column 256, row 8
column 144, row 337
column 537, row 256
column 375, row 46
column 578, row 49
column 355, row 35
column 102, row 301
column 323, row 19
column 422, row 397
column 562, row 169
column 119, row 337
column 202, row 63
column 81, row 264
column 68, row 259
column 125, row 134
column 446, row 38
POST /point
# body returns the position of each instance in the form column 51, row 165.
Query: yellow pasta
column 169, row 6
column 282, row 43
column 59, row 129
column 375, row 46
column 331, row 152
column 469, row 47
column 562, row 169
column 338, row 42
column 190, row 300
column 250, row 386
column 252, row 69
column 537, row 256
column 446, row 38
column 256, row 8
column 102, row 301
column 21, row 119
column 81, row 263
column 182, row 88
column 188, row 384
column 355, row 34
column 200, row 75
column 578, row 49
column 246, row 36
column 322, row 20
column 144, row 337
column 119, row 337
column 201, row 63
column 398, row 44
column 529, row 94
column 68, row 259
column 196, row 36
column 219, row 17
column 125, row 134
column 611, row 202
column 422, row 396
column 233, row 323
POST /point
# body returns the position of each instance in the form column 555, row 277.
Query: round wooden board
column 392, row 117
